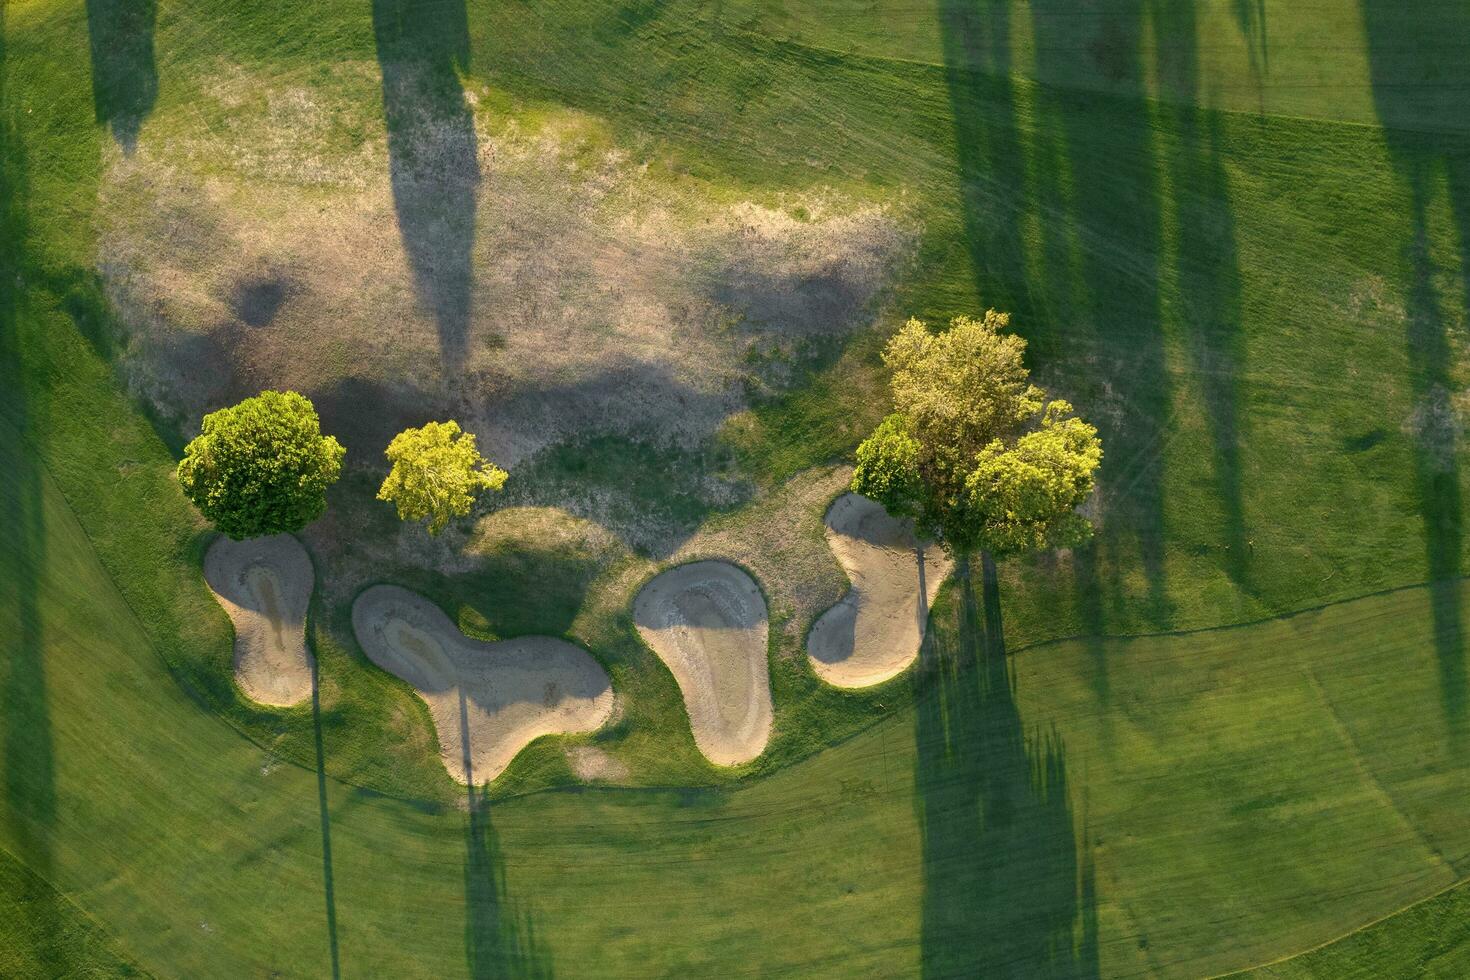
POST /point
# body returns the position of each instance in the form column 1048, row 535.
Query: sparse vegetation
column 262, row 466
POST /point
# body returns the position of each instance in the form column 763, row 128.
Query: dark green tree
column 262, row 466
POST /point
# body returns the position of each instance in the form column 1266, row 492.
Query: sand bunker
column 488, row 700
column 874, row 633
column 265, row 586
column 707, row 621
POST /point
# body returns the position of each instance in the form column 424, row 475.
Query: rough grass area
column 1428, row 939
column 456, row 252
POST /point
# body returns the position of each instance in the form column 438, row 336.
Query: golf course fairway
column 650, row 255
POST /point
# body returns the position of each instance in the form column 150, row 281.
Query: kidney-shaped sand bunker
column 488, row 700
column 874, row 633
column 264, row 584
column 707, row 622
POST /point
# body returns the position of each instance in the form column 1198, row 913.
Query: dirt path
column 874, row 633
column 265, row 584
column 707, row 621
column 488, row 700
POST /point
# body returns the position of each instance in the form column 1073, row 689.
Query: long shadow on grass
column 124, row 76
column 976, row 35
column 1004, row 891
column 1103, row 269
column 423, row 46
column 499, row 942
column 1250, row 17
column 1419, row 58
column 328, row 884
column 25, row 720
column 1206, row 261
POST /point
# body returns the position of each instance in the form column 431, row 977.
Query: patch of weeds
column 651, row 496
column 828, row 407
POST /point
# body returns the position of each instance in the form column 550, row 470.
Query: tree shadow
column 976, row 36
column 328, row 885
column 25, row 721
column 124, row 76
column 1250, row 20
column 1110, row 189
column 433, row 161
column 1414, row 54
column 500, row 941
column 1207, row 261
column 1091, row 305
column 1004, row 891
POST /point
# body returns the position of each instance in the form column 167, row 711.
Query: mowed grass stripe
column 1267, row 57
column 1232, row 727
column 1428, row 939
column 42, row 933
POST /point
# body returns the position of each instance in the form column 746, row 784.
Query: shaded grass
column 1004, row 893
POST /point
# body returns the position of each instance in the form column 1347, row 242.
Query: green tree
column 437, row 471
column 972, row 451
column 262, row 466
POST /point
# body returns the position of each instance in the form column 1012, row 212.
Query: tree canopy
column 436, row 474
column 973, row 452
column 262, row 466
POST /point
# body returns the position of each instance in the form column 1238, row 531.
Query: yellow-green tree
column 973, row 452
column 436, row 474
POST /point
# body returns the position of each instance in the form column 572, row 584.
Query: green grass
column 43, row 934
column 1257, row 56
column 1253, row 305
column 1202, row 814
column 1428, row 939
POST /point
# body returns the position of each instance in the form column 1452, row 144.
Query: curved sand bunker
column 707, row 622
column 488, row 700
column 874, row 633
column 264, row 584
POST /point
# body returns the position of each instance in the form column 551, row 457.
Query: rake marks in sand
column 707, row 621
column 488, row 700
column 874, row 633
column 265, row 584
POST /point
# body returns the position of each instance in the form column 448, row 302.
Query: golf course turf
column 1234, row 732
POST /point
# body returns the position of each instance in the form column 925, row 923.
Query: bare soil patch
column 488, row 700
column 707, row 622
column 874, row 633
column 265, row 584
column 592, row 765
column 538, row 279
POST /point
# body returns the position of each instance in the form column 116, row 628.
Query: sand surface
column 488, row 700
column 265, row 584
column 707, row 621
column 874, row 633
